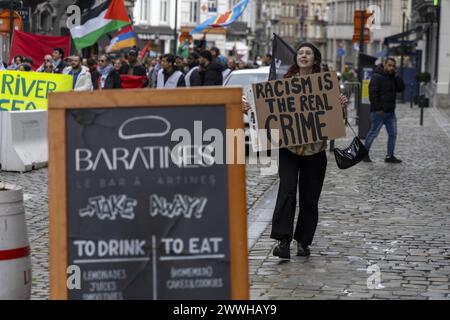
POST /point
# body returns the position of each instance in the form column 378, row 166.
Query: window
column 331, row 13
column 144, row 10
column 212, row 6
column 164, row 11
column 193, row 18
column 386, row 11
column 341, row 11
column 352, row 13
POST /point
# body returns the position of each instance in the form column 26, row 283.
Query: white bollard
column 15, row 260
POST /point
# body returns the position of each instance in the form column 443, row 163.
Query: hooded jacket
column 383, row 90
column 84, row 81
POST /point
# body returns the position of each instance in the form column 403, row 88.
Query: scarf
column 105, row 71
column 104, row 74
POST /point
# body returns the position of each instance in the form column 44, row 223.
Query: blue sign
column 24, row 12
column 341, row 52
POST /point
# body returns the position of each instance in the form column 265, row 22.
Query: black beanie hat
column 317, row 54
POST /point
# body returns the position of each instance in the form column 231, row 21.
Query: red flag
column 117, row 11
column 36, row 46
column 144, row 50
column 132, row 82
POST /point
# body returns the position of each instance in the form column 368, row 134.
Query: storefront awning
column 397, row 38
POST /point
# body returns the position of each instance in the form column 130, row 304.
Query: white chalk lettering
column 110, row 208
column 184, row 205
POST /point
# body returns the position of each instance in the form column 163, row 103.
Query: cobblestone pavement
column 395, row 218
column 36, row 205
column 384, row 229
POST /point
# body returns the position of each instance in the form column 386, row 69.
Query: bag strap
column 351, row 128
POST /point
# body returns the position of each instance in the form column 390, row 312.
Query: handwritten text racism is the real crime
column 297, row 106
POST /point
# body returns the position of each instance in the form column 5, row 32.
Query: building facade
column 154, row 20
column 434, row 20
column 340, row 48
column 49, row 17
column 293, row 20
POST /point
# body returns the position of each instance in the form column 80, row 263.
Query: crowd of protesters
column 207, row 67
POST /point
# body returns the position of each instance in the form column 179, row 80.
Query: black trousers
column 307, row 173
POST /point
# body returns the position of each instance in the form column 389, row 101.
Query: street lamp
column 402, row 47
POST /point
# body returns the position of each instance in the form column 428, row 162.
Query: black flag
column 282, row 57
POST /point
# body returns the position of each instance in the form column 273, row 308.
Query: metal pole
column 361, row 44
column 421, row 116
column 402, row 50
column 360, row 69
column 411, row 95
column 175, row 29
column 302, row 22
column 11, row 22
column 358, row 102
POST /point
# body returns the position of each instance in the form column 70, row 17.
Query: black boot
column 283, row 249
column 302, row 250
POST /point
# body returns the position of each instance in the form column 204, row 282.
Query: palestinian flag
column 109, row 16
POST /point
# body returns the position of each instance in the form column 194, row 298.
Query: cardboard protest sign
column 21, row 91
column 304, row 110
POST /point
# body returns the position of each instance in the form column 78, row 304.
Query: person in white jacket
column 82, row 80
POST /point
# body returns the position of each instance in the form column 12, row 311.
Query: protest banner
column 304, row 110
column 21, row 91
column 36, row 46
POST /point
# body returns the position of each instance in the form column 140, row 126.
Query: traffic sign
column 24, row 12
column 361, row 14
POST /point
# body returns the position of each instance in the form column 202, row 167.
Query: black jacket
column 112, row 81
column 196, row 79
column 212, row 76
column 60, row 67
column 136, row 70
column 383, row 90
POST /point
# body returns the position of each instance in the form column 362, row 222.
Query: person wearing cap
column 134, row 67
column 209, row 70
column 300, row 168
column 169, row 76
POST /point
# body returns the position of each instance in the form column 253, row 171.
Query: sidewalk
column 384, row 229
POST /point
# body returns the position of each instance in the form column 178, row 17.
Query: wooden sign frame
column 59, row 103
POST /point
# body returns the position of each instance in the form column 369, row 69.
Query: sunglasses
column 101, row 60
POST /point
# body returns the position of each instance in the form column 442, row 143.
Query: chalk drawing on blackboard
column 144, row 135
column 110, row 207
column 182, row 205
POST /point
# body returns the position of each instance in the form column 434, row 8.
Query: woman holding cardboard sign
column 303, row 168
